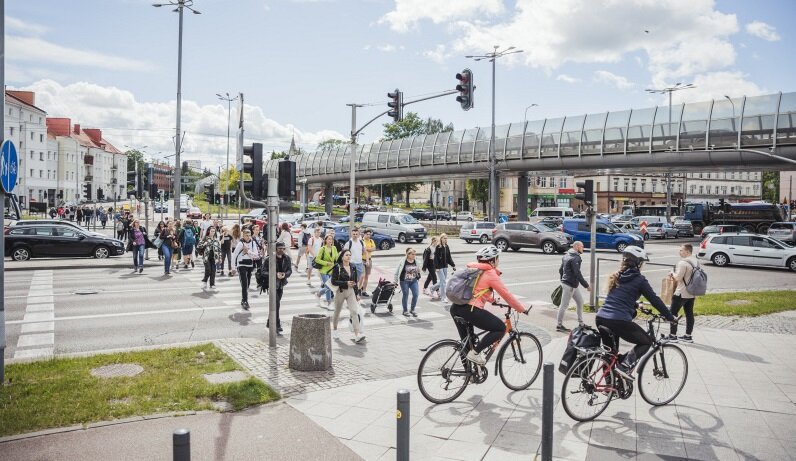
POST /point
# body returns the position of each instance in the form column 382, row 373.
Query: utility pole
column 352, row 166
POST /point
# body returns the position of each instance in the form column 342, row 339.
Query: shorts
column 360, row 270
column 187, row 249
column 310, row 259
column 368, row 266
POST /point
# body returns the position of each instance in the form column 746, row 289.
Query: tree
column 329, row 143
column 277, row 155
column 232, row 176
column 478, row 191
column 770, row 192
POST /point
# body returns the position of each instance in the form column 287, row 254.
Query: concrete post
column 328, row 193
column 273, row 217
column 547, row 411
column 593, row 281
column 402, row 415
column 305, row 192
column 522, row 197
column 181, row 440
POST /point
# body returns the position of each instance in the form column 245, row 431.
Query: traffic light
column 286, row 182
column 139, row 186
column 131, row 179
column 87, row 191
column 255, row 169
column 100, row 194
column 153, row 191
column 585, row 192
column 184, row 168
column 396, row 104
column 210, row 193
column 465, row 88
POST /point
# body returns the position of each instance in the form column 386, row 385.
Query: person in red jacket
column 484, row 292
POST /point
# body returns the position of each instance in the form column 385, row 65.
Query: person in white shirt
column 313, row 246
column 302, row 247
column 357, row 247
column 204, row 224
column 683, row 271
column 286, row 238
column 245, row 254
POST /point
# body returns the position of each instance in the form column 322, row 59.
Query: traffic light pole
column 593, row 282
column 273, row 218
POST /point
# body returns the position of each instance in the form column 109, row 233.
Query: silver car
column 747, row 249
column 784, row 231
column 516, row 235
column 662, row 230
column 477, row 231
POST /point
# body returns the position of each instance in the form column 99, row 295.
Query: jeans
column 567, row 293
column 226, row 255
column 630, row 332
column 245, row 276
column 406, row 286
column 138, row 256
column 442, row 275
column 688, row 306
column 324, row 289
column 210, row 271
column 166, row 257
column 482, row 319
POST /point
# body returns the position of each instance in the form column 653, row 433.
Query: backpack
column 698, row 285
column 189, row 238
column 459, row 289
column 305, row 239
column 584, row 337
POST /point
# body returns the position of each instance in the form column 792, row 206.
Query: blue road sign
column 387, row 200
column 9, row 164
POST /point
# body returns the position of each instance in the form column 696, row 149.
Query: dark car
column 441, row 214
column 383, row 241
column 48, row 240
column 420, row 213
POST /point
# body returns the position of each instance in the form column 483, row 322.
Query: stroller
column 383, row 295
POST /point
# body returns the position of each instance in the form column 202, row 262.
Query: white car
column 747, row 249
column 464, row 216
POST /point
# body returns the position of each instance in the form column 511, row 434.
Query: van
column 399, row 226
column 551, row 211
column 649, row 219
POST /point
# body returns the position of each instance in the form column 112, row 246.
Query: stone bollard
column 310, row 343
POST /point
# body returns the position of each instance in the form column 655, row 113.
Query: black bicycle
column 445, row 372
column 592, row 381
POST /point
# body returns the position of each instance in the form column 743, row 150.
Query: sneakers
column 476, row 358
column 204, row 285
column 309, row 284
column 358, row 338
column 192, row 264
column 365, row 294
column 244, row 305
column 406, row 314
column 687, row 338
column 141, row 270
column 279, row 330
column 335, row 334
column 671, row 338
column 562, row 329
column 212, row 287
column 624, row 371
column 414, row 314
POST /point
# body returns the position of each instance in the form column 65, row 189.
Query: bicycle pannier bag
column 583, row 337
column 461, row 285
column 698, row 285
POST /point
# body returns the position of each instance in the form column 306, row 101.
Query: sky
column 112, row 64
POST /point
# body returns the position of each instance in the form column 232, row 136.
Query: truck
column 751, row 217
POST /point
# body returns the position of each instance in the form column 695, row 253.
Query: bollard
column 547, row 411
column 182, row 445
column 402, row 417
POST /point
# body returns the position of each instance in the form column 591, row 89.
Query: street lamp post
column 669, row 90
column 180, row 5
column 494, row 193
column 226, row 167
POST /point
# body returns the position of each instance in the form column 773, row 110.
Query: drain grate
column 85, row 291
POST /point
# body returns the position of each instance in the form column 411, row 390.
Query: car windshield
column 544, row 227
column 406, row 219
column 613, row 227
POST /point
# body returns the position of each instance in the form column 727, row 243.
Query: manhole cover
column 85, row 291
column 226, row 377
column 117, row 370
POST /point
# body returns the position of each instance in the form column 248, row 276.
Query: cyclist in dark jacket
column 617, row 313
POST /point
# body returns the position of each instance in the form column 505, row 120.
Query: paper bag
column 668, row 284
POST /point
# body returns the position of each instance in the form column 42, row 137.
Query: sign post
column 9, row 164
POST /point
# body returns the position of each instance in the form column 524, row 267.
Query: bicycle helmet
column 635, row 255
column 487, row 253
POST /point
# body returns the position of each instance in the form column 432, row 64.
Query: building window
column 41, row 138
column 643, row 185
column 563, row 183
column 616, row 185
column 654, row 186
column 41, row 173
column 627, row 185
column 634, row 185
column 31, row 136
column 693, row 189
column 41, row 156
column 733, row 175
column 31, row 172
column 700, row 175
column 701, row 190
column 11, row 131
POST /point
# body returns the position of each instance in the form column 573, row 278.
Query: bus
column 655, row 210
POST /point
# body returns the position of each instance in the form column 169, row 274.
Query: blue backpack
column 188, row 237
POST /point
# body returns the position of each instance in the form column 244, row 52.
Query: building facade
column 733, row 186
column 26, row 125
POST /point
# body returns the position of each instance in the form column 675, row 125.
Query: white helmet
column 635, row 255
column 487, row 253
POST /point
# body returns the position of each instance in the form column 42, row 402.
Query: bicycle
column 445, row 367
column 592, row 381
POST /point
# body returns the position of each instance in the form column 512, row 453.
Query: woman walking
column 246, row 252
column 259, row 241
column 211, row 251
column 313, row 246
column 327, row 256
column 226, row 250
column 177, row 253
column 236, row 236
column 407, row 274
column 344, row 277
column 428, row 265
column 137, row 242
column 161, row 225
column 442, row 259
column 169, row 239
column 286, row 238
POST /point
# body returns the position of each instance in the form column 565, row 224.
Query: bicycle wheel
column 588, row 388
column 662, row 374
column 519, row 361
column 442, row 375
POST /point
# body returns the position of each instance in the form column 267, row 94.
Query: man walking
column 284, row 269
column 571, row 277
column 684, row 270
column 357, row 247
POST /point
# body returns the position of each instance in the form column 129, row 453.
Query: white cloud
column 603, row 76
column 127, row 121
column 408, row 13
column 439, row 54
column 762, row 30
column 566, row 78
column 23, row 27
column 42, row 52
column 714, row 85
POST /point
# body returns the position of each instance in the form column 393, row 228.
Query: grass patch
column 62, row 392
column 745, row 304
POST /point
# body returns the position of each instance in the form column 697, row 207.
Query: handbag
column 556, row 296
column 175, row 244
column 157, row 242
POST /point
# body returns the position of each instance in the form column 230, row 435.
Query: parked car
column 661, row 230
column 747, row 249
column 48, row 240
column 420, row 214
column 476, row 231
column 555, row 211
column 684, row 227
column 516, row 235
column 783, row 231
column 161, row 207
column 719, row 229
column 383, row 241
column 357, row 217
column 194, row 213
column 441, row 215
column 399, row 226
column 608, row 235
column 464, row 216
column 630, row 228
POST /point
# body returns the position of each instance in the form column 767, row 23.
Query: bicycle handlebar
column 507, row 307
column 655, row 316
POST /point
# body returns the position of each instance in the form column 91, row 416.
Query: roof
column 10, row 95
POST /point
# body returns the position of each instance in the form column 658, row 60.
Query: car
column 464, row 216
column 517, row 235
column 608, row 235
column 161, row 207
column 357, row 217
column 630, row 228
column 719, row 229
column 783, row 231
column 661, row 230
column 476, row 231
column 383, row 241
column 184, row 203
column 420, row 214
column 740, row 248
column 33, row 222
column 552, row 221
column 502, row 217
column 684, row 227
column 441, row 215
column 58, row 240
column 400, row 226
column 194, row 213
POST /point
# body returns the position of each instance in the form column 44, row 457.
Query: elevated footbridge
column 730, row 133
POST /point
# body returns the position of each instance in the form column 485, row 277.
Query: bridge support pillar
column 522, row 197
column 304, row 197
column 329, row 201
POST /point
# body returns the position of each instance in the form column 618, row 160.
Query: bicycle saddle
column 609, row 338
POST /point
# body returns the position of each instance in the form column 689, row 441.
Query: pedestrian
column 236, row 235
column 357, row 248
column 408, row 274
column 79, row 216
column 344, row 277
column 187, row 243
column 286, row 238
column 258, row 240
column 103, row 218
column 204, row 224
column 177, row 253
column 137, row 242
column 158, row 230
column 244, row 256
column 313, row 246
column 169, row 238
column 428, row 265
column 571, row 277
column 284, row 269
column 211, row 252
column 367, row 260
column 682, row 298
column 302, row 240
column 226, row 249
column 326, row 257
column 442, row 260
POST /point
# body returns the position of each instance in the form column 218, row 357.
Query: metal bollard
column 402, row 417
column 547, row 411
column 181, row 440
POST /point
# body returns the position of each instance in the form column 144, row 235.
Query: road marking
column 37, row 336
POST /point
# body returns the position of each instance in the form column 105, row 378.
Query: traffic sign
column 387, row 200
column 9, row 164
